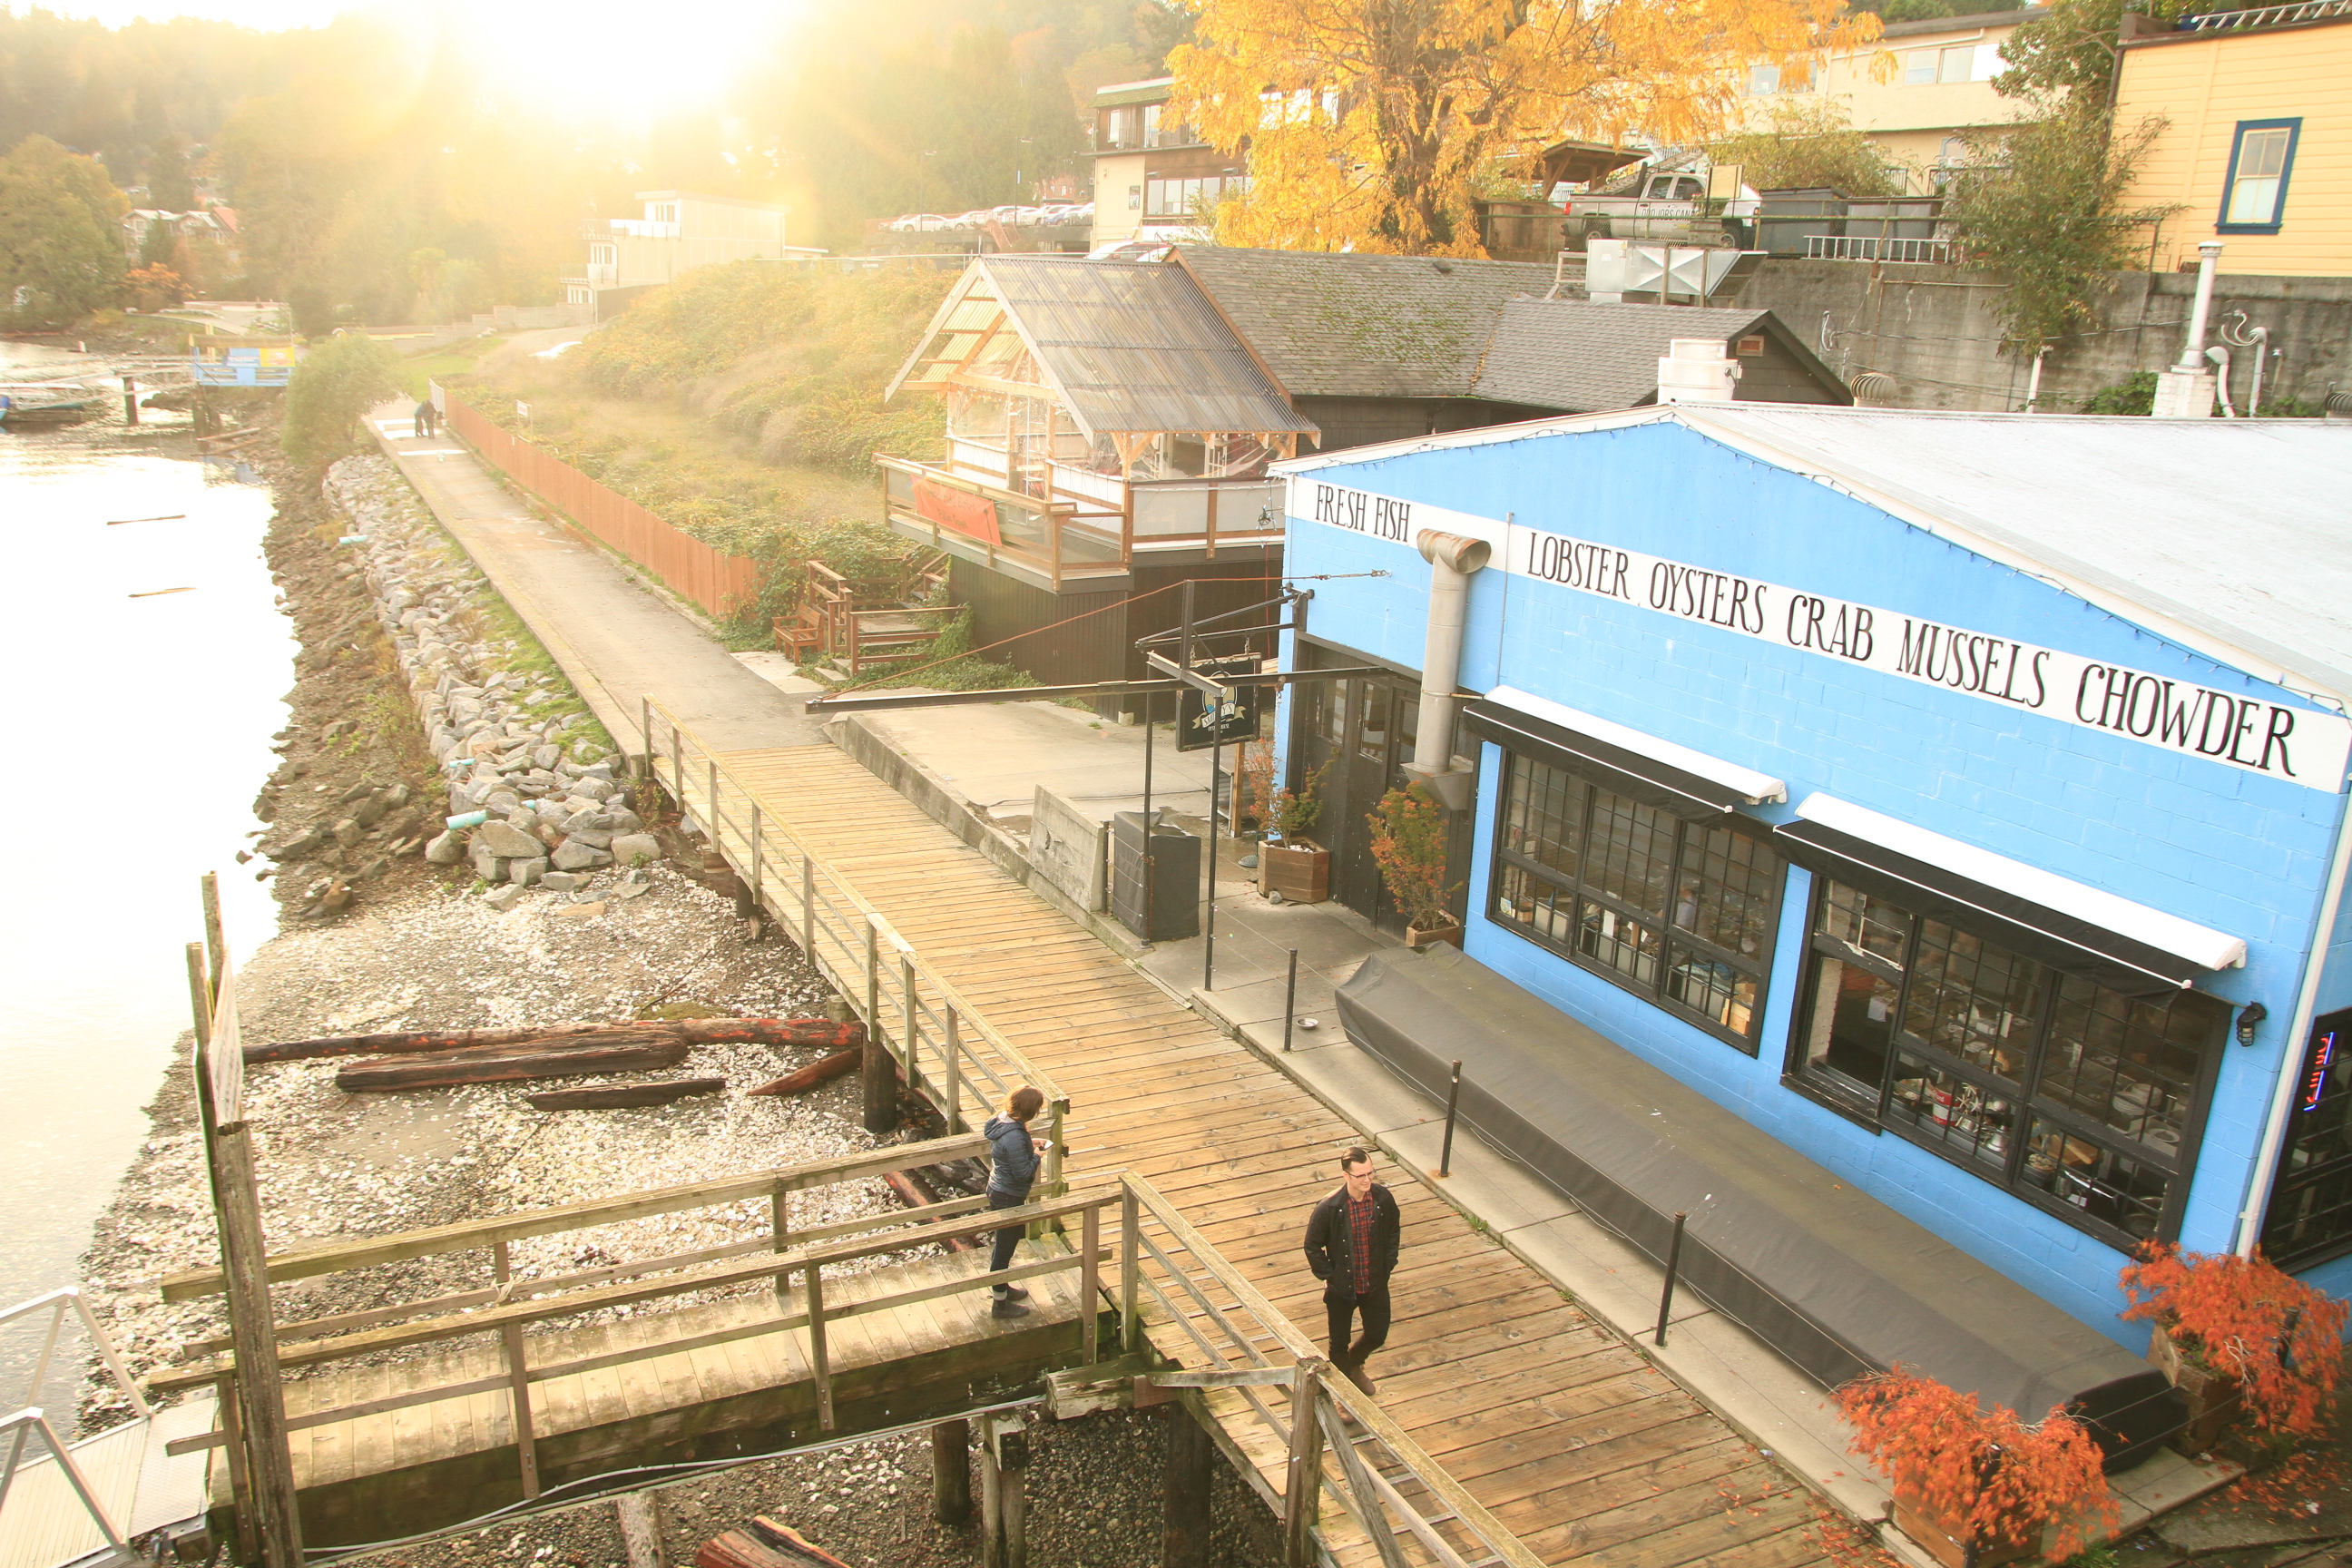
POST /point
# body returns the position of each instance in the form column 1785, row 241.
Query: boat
column 27, row 403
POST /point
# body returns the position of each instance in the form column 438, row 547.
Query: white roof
column 2201, row 945
column 2233, row 537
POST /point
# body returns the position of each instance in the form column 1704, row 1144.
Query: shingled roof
column 1364, row 326
column 1584, row 358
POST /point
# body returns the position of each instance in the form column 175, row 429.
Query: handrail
column 23, row 1424
column 56, row 1301
column 844, row 936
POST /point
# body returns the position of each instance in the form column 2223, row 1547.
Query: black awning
column 1644, row 779
column 2062, row 941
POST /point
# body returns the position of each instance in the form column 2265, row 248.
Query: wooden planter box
column 1418, row 936
column 1934, row 1533
column 1301, row 873
column 2213, row 1402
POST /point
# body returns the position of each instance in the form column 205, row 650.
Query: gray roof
column 1331, row 325
column 1584, row 358
column 2234, row 529
column 1132, row 346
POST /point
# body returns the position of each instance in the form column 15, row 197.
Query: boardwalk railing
column 946, row 1052
column 720, row 582
column 31, row 1421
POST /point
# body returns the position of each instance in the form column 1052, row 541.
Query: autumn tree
column 1372, row 124
column 60, row 234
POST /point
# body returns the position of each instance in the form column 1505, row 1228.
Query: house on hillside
column 1153, row 176
column 681, row 230
column 1900, row 840
column 2256, row 149
column 1109, row 423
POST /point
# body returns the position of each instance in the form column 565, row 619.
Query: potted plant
column 1973, row 1488
column 1295, row 869
column 2237, row 1336
column 1409, row 844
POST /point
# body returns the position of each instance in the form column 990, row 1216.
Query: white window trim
column 2201, row 945
column 1751, row 786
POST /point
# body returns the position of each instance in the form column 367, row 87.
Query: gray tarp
column 1833, row 1279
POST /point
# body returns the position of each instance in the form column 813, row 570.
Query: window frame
column 2285, row 1180
column 1873, row 1112
column 1581, row 890
column 2294, row 129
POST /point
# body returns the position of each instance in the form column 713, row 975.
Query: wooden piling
column 952, row 1472
column 1192, row 1456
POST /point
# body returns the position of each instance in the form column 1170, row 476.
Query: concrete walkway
column 617, row 638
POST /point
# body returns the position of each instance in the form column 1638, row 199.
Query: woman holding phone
column 1013, row 1169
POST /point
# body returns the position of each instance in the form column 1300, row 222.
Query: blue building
column 1957, row 802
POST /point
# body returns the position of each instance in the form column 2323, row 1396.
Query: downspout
column 1452, row 559
column 2307, row 1008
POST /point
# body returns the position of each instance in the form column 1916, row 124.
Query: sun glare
column 626, row 63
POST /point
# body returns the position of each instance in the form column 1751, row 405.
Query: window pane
column 1973, row 1001
column 1631, row 856
column 1724, row 893
column 1372, row 729
column 1919, row 68
column 1627, row 946
column 1864, row 923
column 1535, row 905
column 1763, row 80
column 2107, row 1186
column 1952, row 65
column 1544, row 818
column 1985, row 62
column 2129, row 1064
column 1705, row 984
column 1948, row 1111
column 2262, row 163
column 1851, row 1026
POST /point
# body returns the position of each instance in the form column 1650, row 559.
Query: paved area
column 616, row 638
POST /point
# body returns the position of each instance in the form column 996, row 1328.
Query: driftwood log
column 689, row 1031
column 614, row 1096
column 911, row 1193
column 803, row 1080
column 612, row 1051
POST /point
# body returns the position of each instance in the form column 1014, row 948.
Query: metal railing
column 32, row 1420
column 943, row 1048
column 2268, row 16
column 1874, row 248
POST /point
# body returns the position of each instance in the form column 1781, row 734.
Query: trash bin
column 1175, row 878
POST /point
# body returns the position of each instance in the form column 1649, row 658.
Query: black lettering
column 1864, row 640
column 1662, row 585
column 2281, row 726
column 1996, row 660
column 2244, row 727
column 2082, row 691
column 1914, row 647
column 2173, row 729
column 2115, row 714
column 2215, row 703
column 2041, row 687
column 2149, row 687
column 1972, row 680
column 1738, row 603
column 1620, row 591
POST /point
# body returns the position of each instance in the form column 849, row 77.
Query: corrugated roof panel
column 1584, row 358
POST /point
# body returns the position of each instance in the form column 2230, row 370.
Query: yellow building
column 1934, row 86
column 2257, row 147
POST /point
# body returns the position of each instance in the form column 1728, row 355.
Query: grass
column 440, row 364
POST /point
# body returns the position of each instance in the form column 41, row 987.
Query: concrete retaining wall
column 1938, row 331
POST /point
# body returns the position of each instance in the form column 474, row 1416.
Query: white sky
column 612, row 55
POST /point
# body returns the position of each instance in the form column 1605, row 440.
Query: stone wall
column 1938, row 331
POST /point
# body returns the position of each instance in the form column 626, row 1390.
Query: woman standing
column 1013, row 1169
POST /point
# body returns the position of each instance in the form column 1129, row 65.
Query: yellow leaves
column 1369, row 124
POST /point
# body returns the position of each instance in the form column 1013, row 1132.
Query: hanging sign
column 1235, row 718
column 968, row 514
column 2254, row 734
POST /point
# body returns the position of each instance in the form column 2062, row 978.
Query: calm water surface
column 140, row 731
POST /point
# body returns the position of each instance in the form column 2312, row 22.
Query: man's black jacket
column 1330, row 1248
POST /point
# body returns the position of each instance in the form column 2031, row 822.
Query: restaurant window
column 2080, row 1098
column 2309, row 1219
column 1678, row 912
column 2254, row 194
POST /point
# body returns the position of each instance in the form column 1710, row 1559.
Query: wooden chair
column 879, row 638
column 800, row 636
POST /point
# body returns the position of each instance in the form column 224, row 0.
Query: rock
column 333, row 902
column 374, row 869
column 445, row 850
column 503, row 897
column 594, row 837
column 357, row 791
column 348, row 832
column 631, row 889
column 489, row 867
column 372, row 810
column 398, row 795
column 523, row 873
column 500, row 800
column 547, row 757
column 580, row 911
column 406, row 825
column 563, row 881
column 579, row 821
column 571, row 856
column 621, row 819
column 307, row 842
column 594, row 788
column 506, row 839
column 637, row 849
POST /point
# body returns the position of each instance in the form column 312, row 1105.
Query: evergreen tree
column 60, row 234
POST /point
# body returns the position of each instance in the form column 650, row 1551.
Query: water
column 138, row 732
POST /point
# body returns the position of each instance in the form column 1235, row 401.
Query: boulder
column 506, row 839
column 503, row 897
column 547, row 757
column 572, row 856
column 565, row 881
column 348, row 832
column 372, row 810
column 637, row 849
column 621, row 819
column 489, row 867
column 523, row 873
column 594, row 837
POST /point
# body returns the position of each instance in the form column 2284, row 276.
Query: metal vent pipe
column 1452, row 559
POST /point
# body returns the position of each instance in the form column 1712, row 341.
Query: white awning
column 1749, row 785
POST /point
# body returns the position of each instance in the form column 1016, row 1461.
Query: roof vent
column 1873, row 389
column 1697, row 370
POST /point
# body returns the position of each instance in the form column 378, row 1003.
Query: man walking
column 1351, row 1245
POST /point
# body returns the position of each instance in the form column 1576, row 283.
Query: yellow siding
column 1909, row 121
column 2203, row 87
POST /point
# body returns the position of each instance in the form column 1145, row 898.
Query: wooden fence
column 720, row 583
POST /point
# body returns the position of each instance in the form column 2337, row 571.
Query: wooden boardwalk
column 1563, row 1430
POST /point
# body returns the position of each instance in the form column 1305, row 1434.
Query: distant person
column 1013, row 1169
column 422, row 420
column 1351, row 1245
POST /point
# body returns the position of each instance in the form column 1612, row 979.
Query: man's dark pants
column 1340, row 1312
column 1001, row 1254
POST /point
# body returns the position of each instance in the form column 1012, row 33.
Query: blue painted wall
column 2239, row 852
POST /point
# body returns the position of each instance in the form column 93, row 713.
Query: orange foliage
column 2245, row 1318
column 2003, row 1478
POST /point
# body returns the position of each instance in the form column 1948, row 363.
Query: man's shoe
column 1007, row 1307
column 1354, row 1372
column 1011, row 1293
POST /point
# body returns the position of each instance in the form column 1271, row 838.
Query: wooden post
column 260, row 1416
column 215, row 938
column 955, row 1076
column 130, row 401
column 780, row 1216
column 808, row 909
column 913, row 1041
column 952, row 1472
column 1130, row 1247
column 1090, row 1281
column 645, row 729
column 641, row 1529
column 1184, row 1527
column 1302, row 1486
column 991, row 1504
column 760, row 908
column 511, row 1347
column 1004, row 1458
column 817, row 1357
column 881, row 1077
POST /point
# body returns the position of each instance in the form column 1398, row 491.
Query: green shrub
column 336, row 383
column 2134, row 394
